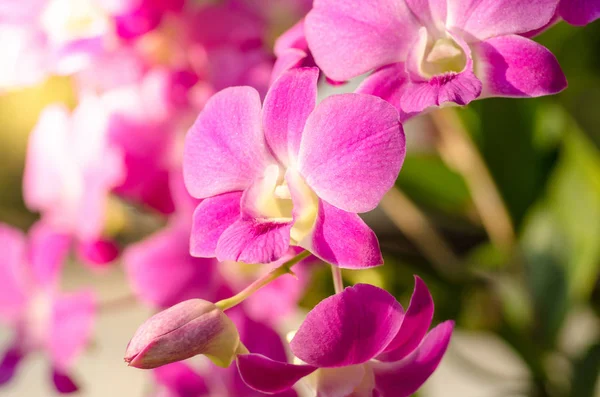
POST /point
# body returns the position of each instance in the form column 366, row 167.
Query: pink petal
column 293, row 38
column 9, row 364
column 97, row 254
column 482, row 19
column 343, row 239
column 348, row 38
column 579, row 12
column 290, row 59
column 430, row 13
column 515, row 66
column 47, row 252
column 348, row 328
column 289, row 102
column 415, row 324
column 459, row 88
column 225, row 149
column 71, row 327
column 352, row 143
column 210, row 219
column 254, row 241
column 388, row 83
column 181, row 379
column 63, row 382
column 13, row 294
column 403, row 378
column 268, row 376
column 162, row 272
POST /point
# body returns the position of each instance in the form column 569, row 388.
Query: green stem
column 286, row 268
column 338, row 282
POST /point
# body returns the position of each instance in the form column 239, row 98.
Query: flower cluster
column 267, row 181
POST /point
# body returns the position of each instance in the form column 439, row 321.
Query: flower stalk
column 274, row 274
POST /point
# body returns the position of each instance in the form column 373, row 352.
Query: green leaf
column 574, row 197
column 585, row 373
column 428, row 181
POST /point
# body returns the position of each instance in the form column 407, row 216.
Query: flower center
column 443, row 56
column 284, row 196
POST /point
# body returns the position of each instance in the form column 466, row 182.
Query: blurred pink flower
column 69, row 173
column 359, row 342
column 427, row 53
column 292, row 172
column 43, row 37
column 44, row 319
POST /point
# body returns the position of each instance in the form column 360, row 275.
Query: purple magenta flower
column 359, row 342
column 182, row 331
column 429, row 52
column 579, row 12
column 44, row 320
column 291, row 173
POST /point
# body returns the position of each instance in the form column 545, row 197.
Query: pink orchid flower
column 162, row 272
column 69, row 172
column 427, row 53
column 44, row 320
column 358, row 343
column 292, row 173
column 579, row 12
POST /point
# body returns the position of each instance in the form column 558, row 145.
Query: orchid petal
column 71, row 327
column 181, row 379
column 162, row 272
column 13, row 294
column 288, row 60
column 293, row 38
column 349, row 38
column 403, row 378
column 210, row 219
column 225, row 149
column 431, row 13
column 482, row 19
column 63, row 383
column 47, row 251
column 269, row 376
column 579, row 12
column 254, row 241
column 348, row 328
column 343, row 239
column 352, row 142
column 514, row 66
column 415, row 324
column 9, row 364
column 97, row 253
column 289, row 102
column 388, row 83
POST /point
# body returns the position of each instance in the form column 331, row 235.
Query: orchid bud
column 187, row 329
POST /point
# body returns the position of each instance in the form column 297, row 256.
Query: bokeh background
column 520, row 275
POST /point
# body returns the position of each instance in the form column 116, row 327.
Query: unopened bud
column 187, row 329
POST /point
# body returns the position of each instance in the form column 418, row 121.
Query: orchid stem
column 286, row 268
column 459, row 151
column 338, row 281
column 415, row 225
